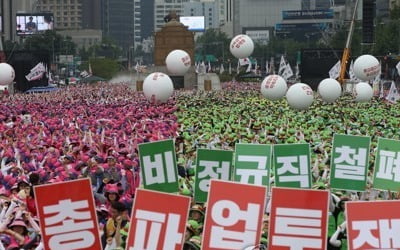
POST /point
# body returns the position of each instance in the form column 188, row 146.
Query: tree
column 214, row 42
column 51, row 42
column 103, row 67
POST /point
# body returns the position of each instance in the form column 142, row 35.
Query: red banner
column 67, row 215
column 234, row 215
column 158, row 221
column 373, row 225
column 298, row 219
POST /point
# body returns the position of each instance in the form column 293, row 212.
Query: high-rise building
column 210, row 11
column 118, row 21
column 163, row 7
column 67, row 13
column 143, row 19
column 10, row 8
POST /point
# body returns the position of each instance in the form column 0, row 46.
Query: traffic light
column 368, row 21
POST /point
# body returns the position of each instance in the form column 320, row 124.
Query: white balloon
column 363, row 92
column 7, row 74
column 273, row 87
column 329, row 90
column 178, row 62
column 366, row 67
column 158, row 85
column 241, row 46
column 300, row 96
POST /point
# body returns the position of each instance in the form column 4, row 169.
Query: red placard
column 158, row 221
column 373, row 224
column 298, row 219
column 234, row 215
column 67, row 215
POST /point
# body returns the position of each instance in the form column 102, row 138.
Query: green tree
column 51, row 42
column 214, row 42
column 103, row 67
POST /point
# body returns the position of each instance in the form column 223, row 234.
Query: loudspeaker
column 23, row 61
column 368, row 21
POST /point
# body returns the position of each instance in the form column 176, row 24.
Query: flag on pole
column 398, row 68
column 248, row 68
column 287, row 72
column 221, row 69
column 334, row 72
column 90, row 69
column 230, row 69
column 381, row 94
column 393, row 95
column 282, row 66
column 351, row 72
column 266, row 67
column 203, row 68
column 197, row 67
column 209, row 67
column 137, row 67
column 272, row 66
column 297, row 74
column 255, row 68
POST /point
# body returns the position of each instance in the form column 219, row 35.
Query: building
column 163, row 7
column 9, row 10
column 259, row 16
column 227, row 16
column 118, row 22
column 83, row 38
column 143, row 20
column 316, row 4
column 67, row 13
column 91, row 14
column 209, row 9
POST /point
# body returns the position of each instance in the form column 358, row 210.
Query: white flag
column 282, row 66
column 287, row 72
column 203, row 68
column 230, row 69
column 255, row 68
column 393, row 95
column 381, row 94
column 334, row 72
column 248, row 68
column 238, row 67
column 221, row 69
column 297, row 74
column 197, row 67
column 209, row 67
column 137, row 67
column 351, row 72
column 244, row 61
column 398, row 68
column 266, row 67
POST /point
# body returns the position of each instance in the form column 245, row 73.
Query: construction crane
column 346, row 51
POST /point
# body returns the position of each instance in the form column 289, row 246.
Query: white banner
column 244, row 61
column 282, row 66
column 36, row 72
column 287, row 72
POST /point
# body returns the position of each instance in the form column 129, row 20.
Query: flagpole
column 346, row 52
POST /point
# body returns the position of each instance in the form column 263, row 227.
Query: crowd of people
column 93, row 131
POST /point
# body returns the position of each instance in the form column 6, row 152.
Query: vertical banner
column 373, row 224
column 253, row 163
column 298, row 219
column 349, row 162
column 158, row 166
column 292, row 165
column 67, row 215
column 234, row 215
column 211, row 164
column 158, row 221
column 387, row 165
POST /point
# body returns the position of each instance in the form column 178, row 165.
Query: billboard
column 195, row 23
column 287, row 27
column 307, row 14
column 31, row 23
